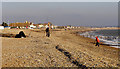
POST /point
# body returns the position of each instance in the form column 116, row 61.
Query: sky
column 0, row 12
column 62, row 13
column 60, row 0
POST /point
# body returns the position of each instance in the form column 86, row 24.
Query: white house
column 40, row 26
column 69, row 26
column 32, row 26
column 1, row 27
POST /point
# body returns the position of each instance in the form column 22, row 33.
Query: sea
column 109, row 37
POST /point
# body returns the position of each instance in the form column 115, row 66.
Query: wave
column 112, row 41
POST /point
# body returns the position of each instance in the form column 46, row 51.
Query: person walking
column 47, row 32
column 97, row 41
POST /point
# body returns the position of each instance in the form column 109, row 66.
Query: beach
column 64, row 48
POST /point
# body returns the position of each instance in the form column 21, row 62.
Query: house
column 69, row 26
column 22, row 25
column 32, row 26
column 41, row 25
column 1, row 27
column 19, row 24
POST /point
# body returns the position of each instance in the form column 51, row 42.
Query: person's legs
column 98, row 44
column 46, row 33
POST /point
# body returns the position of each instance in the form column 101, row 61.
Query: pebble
column 38, row 60
column 39, row 53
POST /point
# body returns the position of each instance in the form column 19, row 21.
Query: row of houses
column 30, row 25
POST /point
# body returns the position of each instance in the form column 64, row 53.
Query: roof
column 19, row 24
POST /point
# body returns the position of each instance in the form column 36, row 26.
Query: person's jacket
column 97, row 39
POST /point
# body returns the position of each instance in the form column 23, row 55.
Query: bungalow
column 69, row 26
column 41, row 25
column 32, row 26
column 22, row 25
column 19, row 24
column 1, row 27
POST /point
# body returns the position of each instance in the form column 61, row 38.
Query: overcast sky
column 60, row 0
column 62, row 13
column 0, row 11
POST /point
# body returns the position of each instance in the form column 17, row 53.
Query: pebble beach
column 64, row 48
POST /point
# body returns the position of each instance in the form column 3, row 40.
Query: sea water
column 109, row 37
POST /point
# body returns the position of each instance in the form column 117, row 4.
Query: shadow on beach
column 8, row 35
column 71, row 59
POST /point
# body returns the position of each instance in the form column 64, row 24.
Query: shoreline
column 101, row 43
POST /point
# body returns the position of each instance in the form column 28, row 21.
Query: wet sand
column 61, row 49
